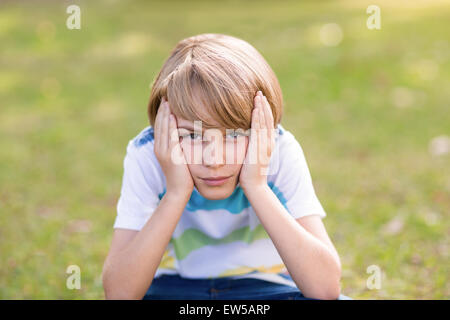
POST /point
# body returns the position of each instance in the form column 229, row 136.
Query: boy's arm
column 134, row 256
column 303, row 245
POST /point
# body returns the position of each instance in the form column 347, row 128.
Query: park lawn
column 364, row 112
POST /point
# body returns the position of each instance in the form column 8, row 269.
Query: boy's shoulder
column 145, row 137
column 287, row 155
column 140, row 147
column 286, row 139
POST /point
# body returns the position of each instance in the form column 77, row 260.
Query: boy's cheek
column 191, row 152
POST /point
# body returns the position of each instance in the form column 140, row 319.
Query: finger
column 257, row 125
column 252, row 145
column 262, row 119
column 165, row 128
column 173, row 131
column 157, row 126
column 268, row 116
column 263, row 132
column 269, row 126
column 255, row 100
column 272, row 122
column 268, row 113
column 269, row 119
column 176, row 153
column 255, row 116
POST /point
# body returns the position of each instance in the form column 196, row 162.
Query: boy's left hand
column 262, row 142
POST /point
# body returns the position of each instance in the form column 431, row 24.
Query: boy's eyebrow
column 188, row 127
column 191, row 128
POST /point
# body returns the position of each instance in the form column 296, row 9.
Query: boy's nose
column 213, row 149
column 213, row 155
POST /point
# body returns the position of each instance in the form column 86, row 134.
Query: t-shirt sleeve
column 294, row 180
column 140, row 188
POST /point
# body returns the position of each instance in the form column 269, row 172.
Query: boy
column 197, row 218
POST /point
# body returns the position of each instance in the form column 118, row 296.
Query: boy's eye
column 233, row 135
column 191, row 135
column 194, row 136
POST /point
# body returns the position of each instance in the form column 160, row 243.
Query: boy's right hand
column 168, row 151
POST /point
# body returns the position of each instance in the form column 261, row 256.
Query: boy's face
column 216, row 153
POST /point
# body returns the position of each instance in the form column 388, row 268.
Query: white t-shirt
column 217, row 238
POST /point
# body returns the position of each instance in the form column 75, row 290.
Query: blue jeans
column 174, row 287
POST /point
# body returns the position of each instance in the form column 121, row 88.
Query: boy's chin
column 215, row 193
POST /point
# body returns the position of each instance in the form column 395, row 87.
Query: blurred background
column 369, row 107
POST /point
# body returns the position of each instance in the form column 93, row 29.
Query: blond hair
column 215, row 76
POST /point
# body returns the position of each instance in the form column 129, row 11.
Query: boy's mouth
column 215, row 181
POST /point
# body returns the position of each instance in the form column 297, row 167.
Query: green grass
column 71, row 99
